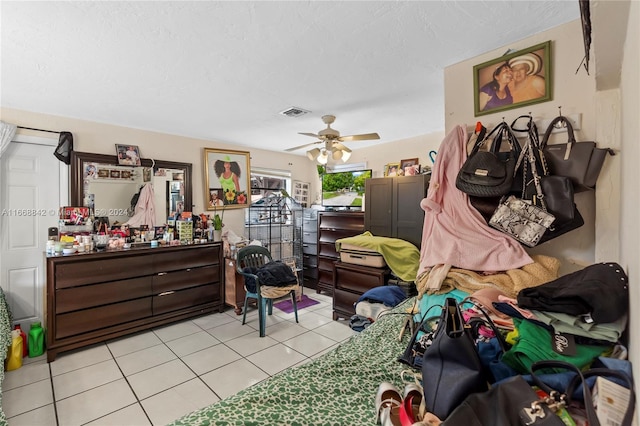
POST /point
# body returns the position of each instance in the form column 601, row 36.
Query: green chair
column 255, row 257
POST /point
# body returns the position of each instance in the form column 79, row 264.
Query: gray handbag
column 579, row 161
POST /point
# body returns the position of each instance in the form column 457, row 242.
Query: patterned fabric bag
column 523, row 221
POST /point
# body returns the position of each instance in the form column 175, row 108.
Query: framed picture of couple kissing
column 514, row 80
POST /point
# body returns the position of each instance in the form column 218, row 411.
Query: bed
column 338, row 388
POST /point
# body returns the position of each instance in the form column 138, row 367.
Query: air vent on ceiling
column 294, row 112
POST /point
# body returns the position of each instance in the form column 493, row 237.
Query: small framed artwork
column 114, row 174
column 409, row 162
column 159, row 231
column 391, row 169
column 412, row 170
column 146, row 174
column 128, row 155
column 228, row 171
column 125, row 174
column 103, row 173
column 514, row 80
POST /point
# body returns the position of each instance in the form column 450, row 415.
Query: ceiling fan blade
column 309, row 134
column 362, row 137
column 302, row 146
column 340, row 147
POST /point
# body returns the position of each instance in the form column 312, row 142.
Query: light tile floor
column 157, row 376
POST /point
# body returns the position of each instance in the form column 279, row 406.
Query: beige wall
column 629, row 237
column 573, row 92
column 101, row 139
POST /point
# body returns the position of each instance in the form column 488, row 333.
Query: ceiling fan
column 332, row 142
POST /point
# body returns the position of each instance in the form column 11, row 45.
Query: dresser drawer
column 325, row 277
column 309, row 237
column 100, row 270
column 309, row 261
column 310, row 248
column 309, row 224
column 344, row 300
column 328, row 249
column 182, row 259
column 88, row 320
column 88, row 296
column 192, row 277
column 326, row 264
column 181, row 299
column 358, row 279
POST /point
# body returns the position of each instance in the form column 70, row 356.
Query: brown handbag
column 579, row 161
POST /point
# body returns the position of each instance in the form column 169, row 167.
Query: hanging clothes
column 145, row 211
column 454, row 233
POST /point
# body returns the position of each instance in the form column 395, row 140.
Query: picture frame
column 412, row 170
column 74, row 215
column 125, row 174
column 103, row 173
column 227, row 172
column 409, row 162
column 391, row 169
column 511, row 81
column 114, row 174
column 128, row 155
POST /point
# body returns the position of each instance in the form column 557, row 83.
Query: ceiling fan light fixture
column 346, row 154
column 323, row 157
column 312, row 154
column 336, row 154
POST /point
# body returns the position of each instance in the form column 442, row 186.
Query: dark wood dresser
column 93, row 297
column 352, row 281
column 331, row 227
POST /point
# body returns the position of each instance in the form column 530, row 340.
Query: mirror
column 97, row 181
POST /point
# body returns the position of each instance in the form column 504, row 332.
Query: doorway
column 33, row 186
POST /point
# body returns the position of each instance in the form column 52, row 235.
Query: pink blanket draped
column 454, row 233
column 145, row 211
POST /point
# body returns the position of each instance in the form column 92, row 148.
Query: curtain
column 7, row 131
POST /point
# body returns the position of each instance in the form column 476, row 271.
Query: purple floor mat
column 287, row 307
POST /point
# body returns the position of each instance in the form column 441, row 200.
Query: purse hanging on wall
column 558, row 190
column 579, row 161
column 490, row 173
column 526, row 221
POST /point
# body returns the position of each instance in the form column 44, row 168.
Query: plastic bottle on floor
column 25, row 346
column 36, row 340
column 14, row 357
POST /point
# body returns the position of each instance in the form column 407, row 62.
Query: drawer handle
column 166, row 293
column 188, row 269
column 162, row 273
column 354, row 256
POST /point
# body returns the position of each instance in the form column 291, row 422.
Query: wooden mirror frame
column 77, row 169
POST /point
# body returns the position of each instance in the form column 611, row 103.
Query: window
column 265, row 182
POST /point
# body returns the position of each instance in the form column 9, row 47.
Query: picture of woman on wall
column 496, row 93
column 228, row 173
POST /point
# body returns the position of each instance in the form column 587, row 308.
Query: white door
column 31, row 179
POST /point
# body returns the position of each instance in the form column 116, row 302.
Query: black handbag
column 490, row 173
column 503, row 405
column 579, row 161
column 451, row 366
column 513, row 402
column 557, row 191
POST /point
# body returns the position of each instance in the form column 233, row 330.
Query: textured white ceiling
column 223, row 71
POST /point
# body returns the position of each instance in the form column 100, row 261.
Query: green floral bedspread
column 337, row 388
